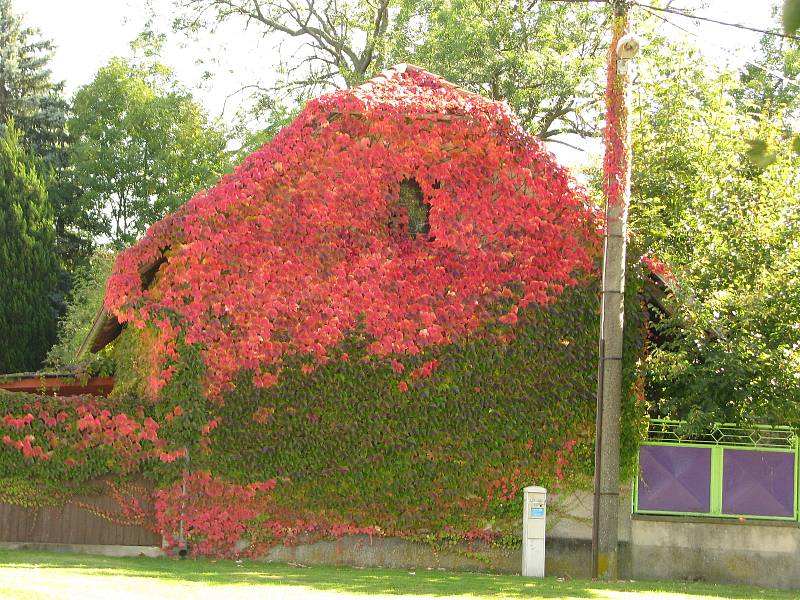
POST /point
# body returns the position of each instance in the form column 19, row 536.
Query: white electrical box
column 533, row 521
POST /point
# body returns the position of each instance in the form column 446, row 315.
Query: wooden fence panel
column 76, row 522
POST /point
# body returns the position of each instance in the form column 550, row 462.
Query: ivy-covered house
column 385, row 320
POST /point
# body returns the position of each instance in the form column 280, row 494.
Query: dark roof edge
column 98, row 324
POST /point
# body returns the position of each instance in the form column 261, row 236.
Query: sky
column 87, row 33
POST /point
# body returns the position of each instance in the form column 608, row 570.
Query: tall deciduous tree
column 27, row 259
column 730, row 232
column 542, row 57
column 768, row 88
column 343, row 41
column 142, row 147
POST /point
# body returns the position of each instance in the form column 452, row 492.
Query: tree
column 542, row 57
column 791, row 16
column 344, row 41
column 27, row 92
column 142, row 147
column 729, row 230
column 767, row 89
column 30, row 97
column 27, row 259
column 85, row 299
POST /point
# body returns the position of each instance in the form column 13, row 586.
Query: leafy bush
column 85, row 300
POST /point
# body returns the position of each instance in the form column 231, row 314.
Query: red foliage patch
column 301, row 245
column 212, row 514
column 72, row 430
column 658, row 267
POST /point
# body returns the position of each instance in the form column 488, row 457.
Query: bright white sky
column 88, row 33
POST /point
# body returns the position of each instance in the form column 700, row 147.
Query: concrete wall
column 564, row 557
column 570, row 517
column 98, row 549
column 753, row 552
column 395, row 553
column 568, row 546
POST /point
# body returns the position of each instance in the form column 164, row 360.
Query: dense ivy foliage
column 384, row 322
column 502, row 411
column 345, row 449
column 76, row 439
column 299, row 247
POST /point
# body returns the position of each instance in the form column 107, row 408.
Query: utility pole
column 617, row 190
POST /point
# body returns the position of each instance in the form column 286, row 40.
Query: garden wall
column 762, row 553
column 750, row 552
column 568, row 551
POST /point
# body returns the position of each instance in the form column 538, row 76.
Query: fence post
column 715, row 506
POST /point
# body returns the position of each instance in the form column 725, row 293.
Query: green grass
column 33, row 575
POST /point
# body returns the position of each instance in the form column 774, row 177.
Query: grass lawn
column 33, row 575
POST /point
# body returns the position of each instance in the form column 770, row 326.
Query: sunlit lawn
column 32, row 575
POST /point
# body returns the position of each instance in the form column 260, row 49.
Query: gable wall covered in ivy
column 384, row 321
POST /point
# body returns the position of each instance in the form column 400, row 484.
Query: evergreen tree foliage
column 27, row 260
column 30, row 96
column 28, row 93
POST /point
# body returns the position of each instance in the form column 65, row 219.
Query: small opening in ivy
column 412, row 202
column 148, row 274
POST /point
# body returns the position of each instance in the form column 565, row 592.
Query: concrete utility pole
column 617, row 189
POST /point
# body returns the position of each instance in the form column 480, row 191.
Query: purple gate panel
column 758, row 483
column 674, row 479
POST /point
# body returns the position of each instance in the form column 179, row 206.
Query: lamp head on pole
column 628, row 46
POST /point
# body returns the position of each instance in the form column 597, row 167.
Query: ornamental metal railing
column 728, row 471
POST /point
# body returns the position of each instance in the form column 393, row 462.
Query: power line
column 686, row 15
column 776, row 74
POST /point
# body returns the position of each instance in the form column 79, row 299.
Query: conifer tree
column 30, row 96
column 27, row 259
column 28, row 93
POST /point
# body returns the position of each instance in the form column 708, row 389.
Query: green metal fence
column 734, row 472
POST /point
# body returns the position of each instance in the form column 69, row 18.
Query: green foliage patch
column 358, row 443
column 511, row 408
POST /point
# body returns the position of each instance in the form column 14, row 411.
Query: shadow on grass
column 364, row 581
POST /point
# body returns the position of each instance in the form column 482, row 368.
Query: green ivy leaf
column 796, row 144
